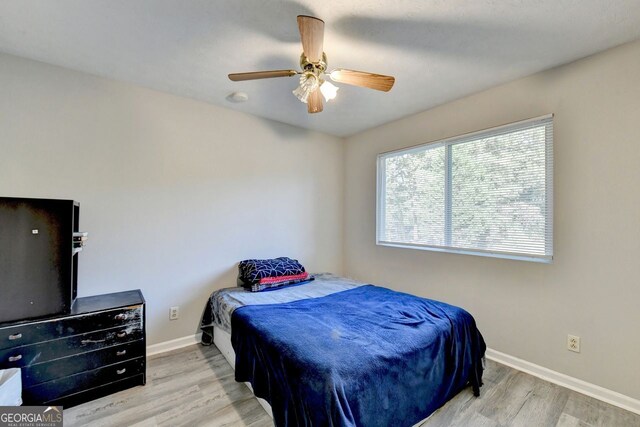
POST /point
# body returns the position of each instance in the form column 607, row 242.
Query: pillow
column 252, row 270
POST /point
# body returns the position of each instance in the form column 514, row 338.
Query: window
column 487, row 193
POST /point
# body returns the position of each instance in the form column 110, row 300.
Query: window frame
column 448, row 143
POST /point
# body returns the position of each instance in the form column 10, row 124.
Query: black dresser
column 95, row 350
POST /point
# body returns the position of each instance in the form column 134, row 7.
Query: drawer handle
column 15, row 336
column 121, row 352
column 122, row 334
column 15, row 358
column 121, row 316
column 121, row 371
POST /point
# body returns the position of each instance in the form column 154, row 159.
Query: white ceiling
column 438, row 50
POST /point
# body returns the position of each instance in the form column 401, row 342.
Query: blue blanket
column 367, row 356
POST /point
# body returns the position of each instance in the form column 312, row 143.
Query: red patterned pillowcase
column 273, row 283
column 277, row 280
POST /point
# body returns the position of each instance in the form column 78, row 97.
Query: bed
column 343, row 353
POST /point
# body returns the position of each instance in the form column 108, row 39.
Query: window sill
column 492, row 254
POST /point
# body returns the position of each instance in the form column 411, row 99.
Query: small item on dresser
column 270, row 283
column 79, row 241
column 10, row 387
column 252, row 270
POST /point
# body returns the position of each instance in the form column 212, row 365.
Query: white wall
column 526, row 309
column 173, row 192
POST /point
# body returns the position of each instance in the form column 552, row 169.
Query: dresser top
column 92, row 304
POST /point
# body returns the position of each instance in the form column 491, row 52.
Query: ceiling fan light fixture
column 309, row 82
column 329, row 91
column 313, row 86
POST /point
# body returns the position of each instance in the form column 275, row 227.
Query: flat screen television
column 38, row 261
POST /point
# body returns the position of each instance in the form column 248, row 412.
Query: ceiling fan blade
column 238, row 77
column 361, row 78
column 314, row 102
column 312, row 35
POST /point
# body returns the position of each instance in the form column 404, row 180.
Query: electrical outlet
column 573, row 343
column 174, row 313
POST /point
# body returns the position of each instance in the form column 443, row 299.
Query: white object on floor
column 10, row 387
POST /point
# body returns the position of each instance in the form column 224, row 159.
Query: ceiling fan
column 313, row 62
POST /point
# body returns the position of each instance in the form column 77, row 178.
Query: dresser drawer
column 35, row 332
column 43, row 352
column 68, row 385
column 58, row 368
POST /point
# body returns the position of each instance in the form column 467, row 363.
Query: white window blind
column 487, row 193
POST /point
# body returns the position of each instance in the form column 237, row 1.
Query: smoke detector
column 237, row 97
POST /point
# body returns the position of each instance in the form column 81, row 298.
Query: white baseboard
column 175, row 344
column 592, row 390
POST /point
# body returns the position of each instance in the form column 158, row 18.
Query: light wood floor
column 195, row 386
